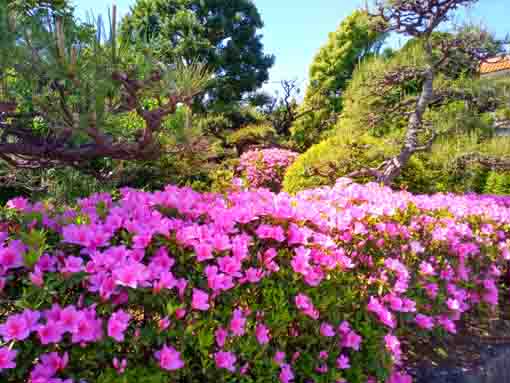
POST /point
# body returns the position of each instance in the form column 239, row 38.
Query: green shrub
column 333, row 158
column 497, row 183
column 252, row 134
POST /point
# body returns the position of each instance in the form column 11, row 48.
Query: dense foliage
column 66, row 84
column 373, row 123
column 251, row 286
column 332, row 67
column 223, row 33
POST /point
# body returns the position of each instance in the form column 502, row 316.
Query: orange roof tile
column 495, row 64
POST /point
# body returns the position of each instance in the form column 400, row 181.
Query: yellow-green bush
column 329, row 74
column 251, row 134
column 497, row 183
column 335, row 157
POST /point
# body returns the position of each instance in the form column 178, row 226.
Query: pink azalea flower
column 117, row 324
column 393, row 345
column 169, row 358
column 342, row 362
column 51, row 332
column 238, row 322
column 18, row 203
column 254, row 275
column 344, row 328
column 130, row 275
column 226, row 360
column 200, row 300
column 73, row 265
column 300, row 262
column 305, row 304
column 119, row 366
column 7, row 358
column 279, row 358
column 398, row 377
column 87, row 330
column 54, row 361
column 424, row 321
column 262, row 334
column 180, row 313
column 11, row 256
column 327, row 330
column 69, row 317
column 15, row 328
column 351, row 340
column 37, row 277
column 286, row 374
column 453, row 304
column 163, row 323
column 221, row 336
column 230, row 265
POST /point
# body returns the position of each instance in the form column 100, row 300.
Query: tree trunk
column 393, row 168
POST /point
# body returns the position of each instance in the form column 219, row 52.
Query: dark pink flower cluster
column 252, row 275
column 266, row 167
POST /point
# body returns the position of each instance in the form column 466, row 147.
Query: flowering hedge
column 266, row 167
column 249, row 287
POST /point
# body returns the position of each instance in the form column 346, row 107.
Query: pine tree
column 224, row 33
column 63, row 82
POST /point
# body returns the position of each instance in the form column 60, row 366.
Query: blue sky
column 295, row 29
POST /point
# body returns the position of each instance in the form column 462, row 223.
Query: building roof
column 495, row 64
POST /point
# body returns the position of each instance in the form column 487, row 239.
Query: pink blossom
column 254, row 275
column 73, row 265
column 163, row 323
column 11, row 256
column 117, row 324
column 398, row 377
column 180, row 313
column 119, row 366
column 130, row 275
column 327, row 330
column 89, row 329
column 54, row 361
column 351, row 340
column 393, row 345
column 424, row 321
column 51, row 332
column 169, row 358
column 237, row 323
column 200, row 300
column 221, row 336
column 286, row 373
column 342, row 362
column 226, row 360
column 427, row 269
column 7, row 358
column 304, row 303
column 279, row 358
column 18, row 203
column 230, row 265
column 37, row 277
column 15, row 328
column 300, row 261
column 262, row 334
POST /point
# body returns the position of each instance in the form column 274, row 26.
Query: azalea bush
column 266, row 167
column 249, row 286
